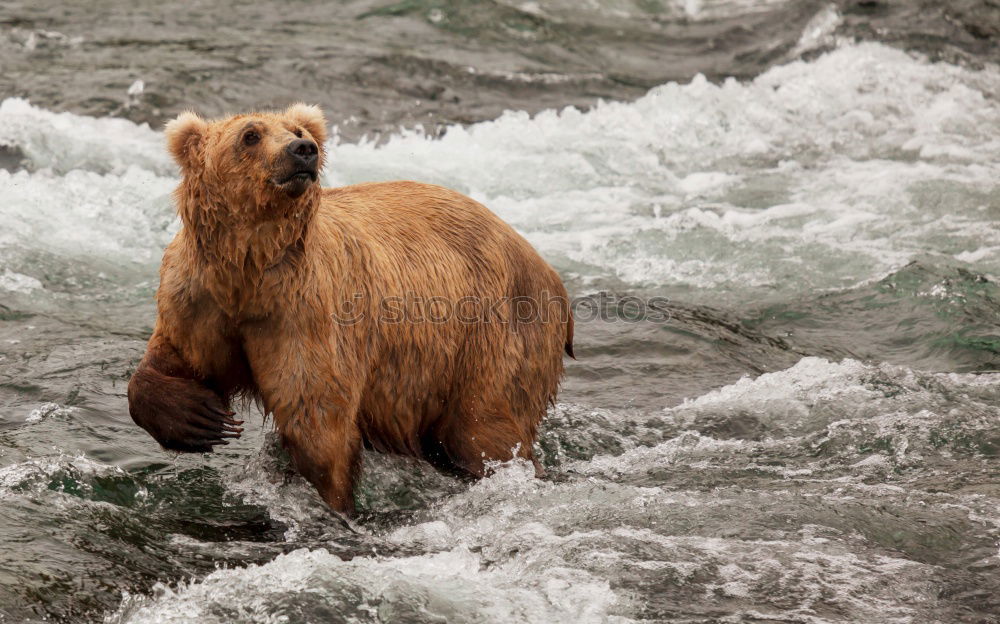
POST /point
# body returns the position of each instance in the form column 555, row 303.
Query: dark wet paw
column 182, row 414
column 200, row 427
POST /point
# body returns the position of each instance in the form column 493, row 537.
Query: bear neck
column 246, row 251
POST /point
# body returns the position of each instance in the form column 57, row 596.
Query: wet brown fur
column 251, row 284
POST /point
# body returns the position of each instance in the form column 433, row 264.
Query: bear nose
column 303, row 151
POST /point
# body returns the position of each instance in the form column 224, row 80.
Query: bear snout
column 299, row 167
column 304, row 153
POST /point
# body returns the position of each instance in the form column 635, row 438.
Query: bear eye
column 298, row 132
column 251, row 138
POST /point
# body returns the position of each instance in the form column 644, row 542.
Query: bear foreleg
column 315, row 403
column 168, row 400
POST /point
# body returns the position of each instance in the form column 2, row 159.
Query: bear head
column 256, row 160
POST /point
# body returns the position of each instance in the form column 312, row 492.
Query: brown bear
column 400, row 316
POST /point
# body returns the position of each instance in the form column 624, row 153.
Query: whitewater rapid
column 813, row 439
column 815, row 175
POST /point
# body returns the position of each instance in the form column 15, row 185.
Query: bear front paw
column 181, row 414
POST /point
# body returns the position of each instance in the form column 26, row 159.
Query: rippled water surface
column 807, row 431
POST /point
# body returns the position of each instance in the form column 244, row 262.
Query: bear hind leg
column 474, row 439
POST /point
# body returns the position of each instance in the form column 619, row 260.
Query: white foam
column 810, row 381
column 450, row 586
column 694, row 10
column 975, row 255
column 49, row 410
column 515, row 548
column 37, row 472
column 264, row 481
column 17, row 282
column 814, row 175
column 819, row 31
column 880, row 417
column 82, row 223
column 668, row 189
column 64, row 141
column 609, row 530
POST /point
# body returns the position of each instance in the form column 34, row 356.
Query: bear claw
column 181, row 414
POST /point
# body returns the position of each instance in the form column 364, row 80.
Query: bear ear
column 311, row 118
column 184, row 137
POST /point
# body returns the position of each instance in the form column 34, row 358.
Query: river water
column 805, row 428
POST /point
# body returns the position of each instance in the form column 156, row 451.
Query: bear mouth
column 299, row 176
column 296, row 183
